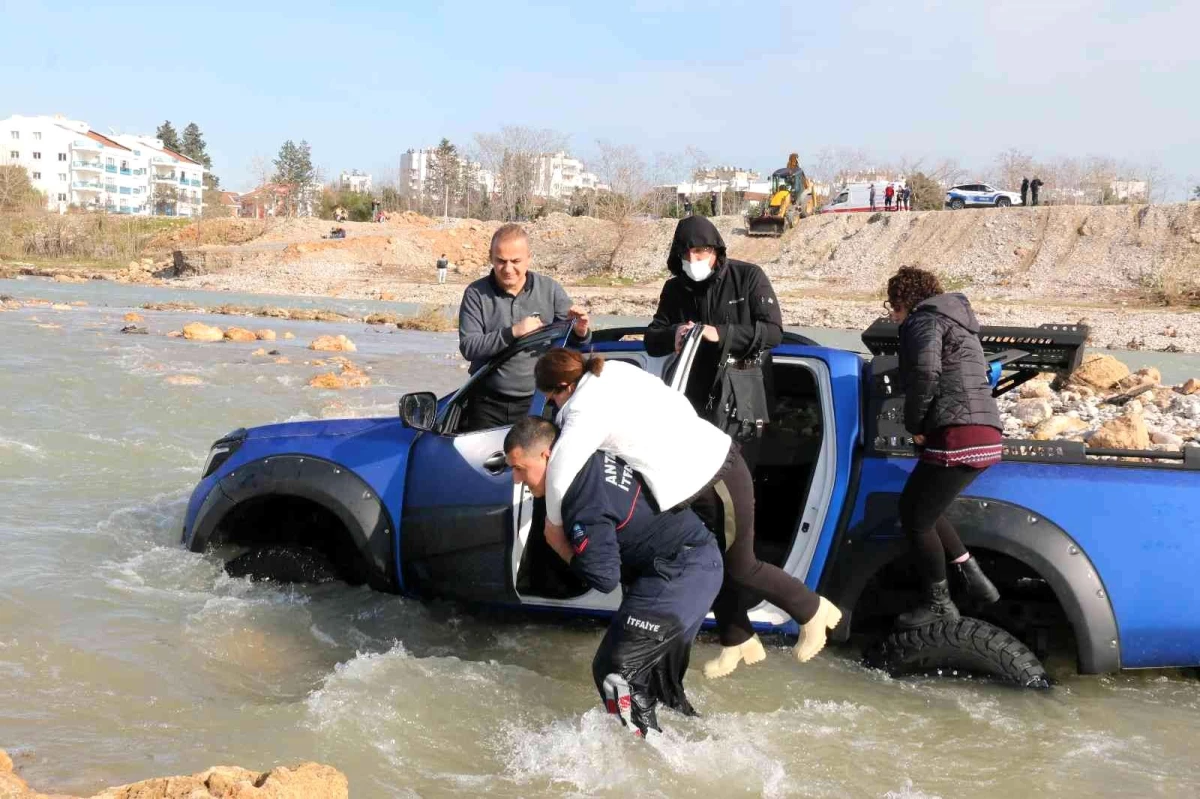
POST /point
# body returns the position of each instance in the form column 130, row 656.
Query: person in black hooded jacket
column 955, row 424
column 732, row 299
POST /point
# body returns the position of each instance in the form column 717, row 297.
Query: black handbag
column 737, row 401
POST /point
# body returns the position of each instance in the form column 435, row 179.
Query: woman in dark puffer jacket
column 954, row 422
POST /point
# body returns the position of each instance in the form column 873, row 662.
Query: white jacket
column 640, row 419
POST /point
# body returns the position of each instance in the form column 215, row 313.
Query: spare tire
column 960, row 645
column 283, row 564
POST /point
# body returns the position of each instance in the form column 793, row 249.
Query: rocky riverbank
column 303, row 781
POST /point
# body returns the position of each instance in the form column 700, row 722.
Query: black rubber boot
column 979, row 587
column 936, row 606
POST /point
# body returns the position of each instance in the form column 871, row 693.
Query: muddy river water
column 122, row 656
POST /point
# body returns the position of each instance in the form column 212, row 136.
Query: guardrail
column 87, row 165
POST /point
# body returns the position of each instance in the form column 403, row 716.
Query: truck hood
column 321, row 427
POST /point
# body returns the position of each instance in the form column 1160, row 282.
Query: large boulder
column 1100, row 371
column 1036, row 389
column 1059, row 427
column 133, row 317
column 198, row 331
column 303, row 781
column 333, row 344
column 240, row 334
column 1124, row 432
column 265, row 334
column 1033, row 411
column 1190, row 387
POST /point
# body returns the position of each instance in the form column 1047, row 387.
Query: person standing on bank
column 498, row 309
column 442, row 266
column 1024, row 191
column 1035, row 186
column 685, row 462
column 955, row 424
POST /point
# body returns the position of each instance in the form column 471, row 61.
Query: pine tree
column 192, row 145
column 443, row 177
column 167, row 135
column 294, row 169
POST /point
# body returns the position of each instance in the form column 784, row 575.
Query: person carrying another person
column 667, row 564
column 685, row 461
column 510, row 302
column 442, row 266
column 955, row 424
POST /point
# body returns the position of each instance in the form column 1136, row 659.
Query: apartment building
column 73, row 165
column 415, row 166
column 355, row 181
column 559, row 175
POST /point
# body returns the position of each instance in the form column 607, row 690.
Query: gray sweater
column 485, row 319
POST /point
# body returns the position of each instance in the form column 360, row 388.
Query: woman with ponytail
column 684, row 461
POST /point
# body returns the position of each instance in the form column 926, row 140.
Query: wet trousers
column 644, row 655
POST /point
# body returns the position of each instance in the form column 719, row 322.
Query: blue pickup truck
column 1094, row 551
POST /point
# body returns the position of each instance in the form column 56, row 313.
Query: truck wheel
column 957, row 204
column 1003, row 202
column 283, row 564
column 964, row 644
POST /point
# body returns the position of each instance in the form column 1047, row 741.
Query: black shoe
column 936, row 606
column 979, row 587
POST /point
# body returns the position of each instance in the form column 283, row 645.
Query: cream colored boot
column 812, row 634
column 723, row 665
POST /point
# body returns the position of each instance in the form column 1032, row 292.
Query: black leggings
column 726, row 506
column 926, row 496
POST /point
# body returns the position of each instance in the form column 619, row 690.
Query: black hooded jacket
column 943, row 367
column 737, row 298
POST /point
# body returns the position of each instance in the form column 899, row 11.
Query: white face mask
column 697, row 270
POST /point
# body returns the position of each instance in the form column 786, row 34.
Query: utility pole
column 446, row 206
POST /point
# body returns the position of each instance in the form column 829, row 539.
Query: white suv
column 980, row 195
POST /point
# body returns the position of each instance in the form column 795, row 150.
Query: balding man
column 497, row 310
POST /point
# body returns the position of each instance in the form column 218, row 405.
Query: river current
column 123, row 656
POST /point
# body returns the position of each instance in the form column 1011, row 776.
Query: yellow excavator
column 791, row 198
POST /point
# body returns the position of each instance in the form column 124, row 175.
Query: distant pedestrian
column 872, row 196
column 906, row 195
column 712, row 204
column 1034, row 186
column 1024, row 191
column 889, row 194
column 687, row 206
column 442, row 266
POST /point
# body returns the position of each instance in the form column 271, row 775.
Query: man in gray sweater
column 508, row 303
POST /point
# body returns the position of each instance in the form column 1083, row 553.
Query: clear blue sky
column 745, row 83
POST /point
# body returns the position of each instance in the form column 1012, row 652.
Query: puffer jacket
column 943, row 367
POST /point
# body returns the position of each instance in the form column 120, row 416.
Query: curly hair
column 910, row 287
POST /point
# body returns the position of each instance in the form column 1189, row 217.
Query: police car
column 979, row 195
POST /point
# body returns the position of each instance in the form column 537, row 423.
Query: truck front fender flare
column 1003, row 527
column 328, row 484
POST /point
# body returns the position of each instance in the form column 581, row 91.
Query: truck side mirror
column 419, row 410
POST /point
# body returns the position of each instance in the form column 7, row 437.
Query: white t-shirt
column 641, row 420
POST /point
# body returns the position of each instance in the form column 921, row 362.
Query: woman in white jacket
column 684, row 460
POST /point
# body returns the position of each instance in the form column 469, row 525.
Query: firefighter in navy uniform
column 667, row 564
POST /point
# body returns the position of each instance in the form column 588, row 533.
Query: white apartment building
column 74, row 165
column 415, row 166
column 559, row 175
column 355, row 181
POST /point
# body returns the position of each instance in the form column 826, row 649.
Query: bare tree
column 629, row 195
column 16, row 191
column 263, row 169
column 514, row 157
column 1012, row 166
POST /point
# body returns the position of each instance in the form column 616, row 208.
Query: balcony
column 126, row 171
column 162, row 159
column 183, row 181
column 194, row 182
column 165, row 178
column 86, row 144
column 95, row 166
column 110, row 188
column 86, row 185
column 125, row 190
column 111, row 168
column 140, row 171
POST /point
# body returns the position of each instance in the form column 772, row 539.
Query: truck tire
column 964, row 644
column 1003, row 202
column 957, row 204
column 283, row 564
